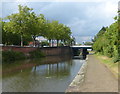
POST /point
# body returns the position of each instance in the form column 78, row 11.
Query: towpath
column 98, row 78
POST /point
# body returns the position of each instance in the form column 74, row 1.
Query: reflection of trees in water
column 62, row 69
column 55, row 59
column 57, row 69
column 16, row 68
column 56, row 65
column 38, row 74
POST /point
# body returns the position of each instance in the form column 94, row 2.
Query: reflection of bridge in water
column 81, row 50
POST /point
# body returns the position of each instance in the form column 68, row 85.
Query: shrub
column 36, row 54
column 12, row 56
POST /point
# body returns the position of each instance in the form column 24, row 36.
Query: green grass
column 36, row 54
column 8, row 56
column 109, row 62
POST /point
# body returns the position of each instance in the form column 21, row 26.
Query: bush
column 12, row 56
column 36, row 54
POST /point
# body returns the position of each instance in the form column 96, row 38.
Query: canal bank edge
column 79, row 78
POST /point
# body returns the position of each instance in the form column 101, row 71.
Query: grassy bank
column 10, row 56
column 109, row 63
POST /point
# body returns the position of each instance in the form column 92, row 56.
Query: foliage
column 106, row 41
column 88, row 43
column 8, row 56
column 18, row 22
column 36, row 54
column 25, row 25
column 12, row 38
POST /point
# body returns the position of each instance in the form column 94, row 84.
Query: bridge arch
column 77, row 49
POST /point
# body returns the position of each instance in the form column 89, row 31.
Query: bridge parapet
column 82, row 46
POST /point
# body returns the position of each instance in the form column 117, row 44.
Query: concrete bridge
column 80, row 49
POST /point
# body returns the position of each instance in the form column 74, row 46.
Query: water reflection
column 50, row 74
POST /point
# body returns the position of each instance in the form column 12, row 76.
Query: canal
column 49, row 74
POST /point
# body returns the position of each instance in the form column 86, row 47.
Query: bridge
column 82, row 47
column 77, row 49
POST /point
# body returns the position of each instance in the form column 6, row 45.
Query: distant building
column 41, row 39
column 37, row 43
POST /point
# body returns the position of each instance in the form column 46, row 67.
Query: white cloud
column 84, row 18
column 81, row 39
column 76, row 21
column 111, row 8
column 61, row 0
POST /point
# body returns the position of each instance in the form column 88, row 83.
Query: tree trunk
column 64, row 41
column 57, row 42
column 21, row 40
column 71, row 43
column 34, row 41
column 50, row 42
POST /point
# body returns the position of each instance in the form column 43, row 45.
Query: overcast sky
column 84, row 17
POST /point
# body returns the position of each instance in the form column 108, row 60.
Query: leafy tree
column 18, row 22
column 107, row 41
column 22, row 26
column 100, row 33
column 36, row 25
column 88, row 43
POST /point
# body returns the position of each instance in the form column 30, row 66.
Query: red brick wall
column 19, row 49
column 56, row 50
column 48, row 51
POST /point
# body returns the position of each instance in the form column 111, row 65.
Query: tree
column 107, row 41
column 12, row 38
column 18, row 22
column 100, row 33
column 57, row 31
column 88, row 43
column 25, row 25
column 36, row 26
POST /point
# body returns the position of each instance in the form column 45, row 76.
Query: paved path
column 98, row 78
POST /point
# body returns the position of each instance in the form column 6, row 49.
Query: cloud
column 60, row 0
column 85, row 18
column 81, row 39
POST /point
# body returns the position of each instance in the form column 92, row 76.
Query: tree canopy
column 107, row 41
column 26, row 26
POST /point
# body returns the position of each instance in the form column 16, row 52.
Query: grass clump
column 36, row 54
column 8, row 56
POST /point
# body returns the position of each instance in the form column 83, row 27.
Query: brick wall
column 19, row 49
column 48, row 51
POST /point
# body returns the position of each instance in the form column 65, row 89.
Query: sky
column 84, row 17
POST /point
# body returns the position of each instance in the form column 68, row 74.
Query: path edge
column 79, row 78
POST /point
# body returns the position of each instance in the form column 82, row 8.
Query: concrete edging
column 79, row 78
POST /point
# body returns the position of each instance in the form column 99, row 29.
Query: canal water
column 50, row 74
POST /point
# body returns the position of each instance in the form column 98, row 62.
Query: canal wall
column 53, row 51
column 19, row 49
column 48, row 51
column 79, row 79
